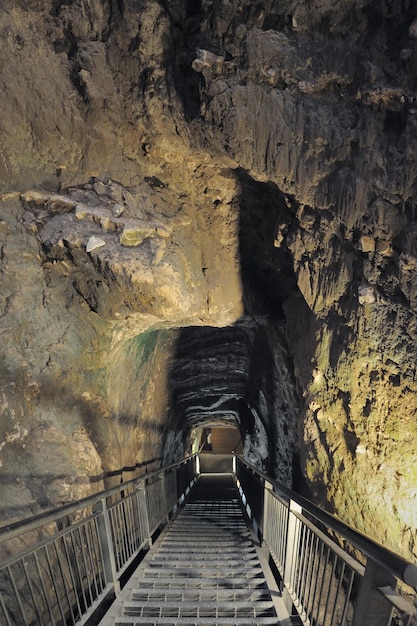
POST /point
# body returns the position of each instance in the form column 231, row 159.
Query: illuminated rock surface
column 209, row 210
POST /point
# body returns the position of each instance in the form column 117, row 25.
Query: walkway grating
column 204, row 569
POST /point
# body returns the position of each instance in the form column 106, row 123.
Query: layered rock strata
column 241, row 376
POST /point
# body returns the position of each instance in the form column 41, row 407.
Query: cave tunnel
column 208, row 220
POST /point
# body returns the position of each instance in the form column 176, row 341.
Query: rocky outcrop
column 171, row 166
column 126, row 258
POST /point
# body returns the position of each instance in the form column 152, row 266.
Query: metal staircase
column 172, row 547
column 204, row 569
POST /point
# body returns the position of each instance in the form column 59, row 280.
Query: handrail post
column 265, row 507
column 106, row 543
column 291, row 552
column 371, row 607
column 267, row 487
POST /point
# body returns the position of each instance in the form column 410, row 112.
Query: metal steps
column 203, row 570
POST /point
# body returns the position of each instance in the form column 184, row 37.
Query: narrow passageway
column 204, row 568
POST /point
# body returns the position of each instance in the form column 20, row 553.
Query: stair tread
column 226, row 539
column 238, row 604
column 169, row 621
column 227, row 564
column 207, row 572
column 192, row 546
column 203, row 595
column 202, row 583
column 228, row 529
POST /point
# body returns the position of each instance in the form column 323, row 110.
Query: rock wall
column 114, row 232
column 211, row 164
column 316, row 103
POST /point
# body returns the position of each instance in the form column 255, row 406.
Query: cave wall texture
column 208, row 212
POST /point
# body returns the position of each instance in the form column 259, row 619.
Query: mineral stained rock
column 250, row 168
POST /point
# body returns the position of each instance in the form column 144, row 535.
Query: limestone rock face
column 141, row 263
column 317, row 105
column 195, row 189
column 111, row 229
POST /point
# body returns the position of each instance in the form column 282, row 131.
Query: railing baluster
column 99, row 575
column 75, row 550
column 298, row 555
column 34, row 602
column 302, row 562
column 306, row 564
column 121, row 533
column 164, row 498
column 90, row 562
column 347, row 598
column 5, row 611
column 318, row 583
column 51, row 573
column 130, row 526
column 330, row 587
column 135, row 520
column 113, row 525
column 124, row 530
column 310, row 572
column 17, row 594
column 89, row 588
column 74, row 586
column 106, row 544
column 143, row 511
column 339, row 589
column 326, row 555
column 284, row 531
column 64, row 582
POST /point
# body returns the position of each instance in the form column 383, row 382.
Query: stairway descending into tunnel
column 204, row 568
column 180, row 546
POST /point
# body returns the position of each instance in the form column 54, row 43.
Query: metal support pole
column 266, row 537
column 372, row 607
column 291, row 553
column 106, row 544
column 267, row 487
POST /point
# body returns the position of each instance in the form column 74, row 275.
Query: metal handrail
column 400, row 567
column 323, row 581
column 62, row 564
column 14, row 529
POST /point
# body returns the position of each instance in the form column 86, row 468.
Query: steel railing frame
column 60, row 566
column 321, row 581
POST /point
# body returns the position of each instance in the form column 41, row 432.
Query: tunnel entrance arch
column 216, row 438
column 215, row 443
